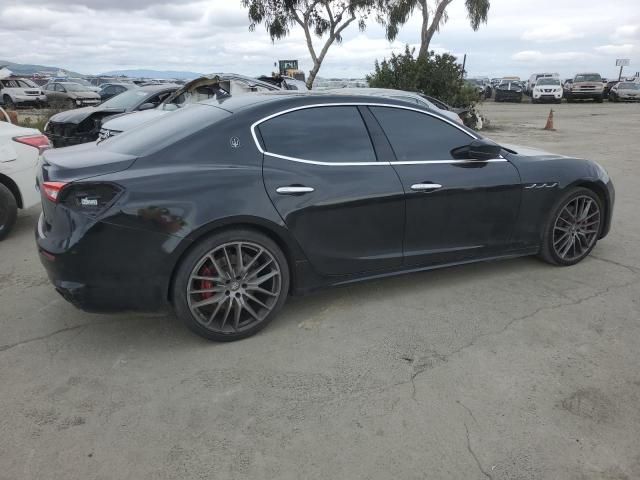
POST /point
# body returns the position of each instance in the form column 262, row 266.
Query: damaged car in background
column 83, row 125
column 509, row 91
column 202, row 88
column 69, row 95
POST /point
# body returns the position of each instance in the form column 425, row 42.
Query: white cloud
column 551, row 33
column 626, row 32
column 625, row 49
column 550, row 57
column 93, row 36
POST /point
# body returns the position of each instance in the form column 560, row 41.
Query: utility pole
column 464, row 62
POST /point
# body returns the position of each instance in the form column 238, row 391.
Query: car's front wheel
column 8, row 103
column 8, row 211
column 231, row 285
column 573, row 227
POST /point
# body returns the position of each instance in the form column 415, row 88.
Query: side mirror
column 483, row 149
column 147, row 106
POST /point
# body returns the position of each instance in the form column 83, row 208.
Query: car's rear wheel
column 573, row 228
column 8, row 211
column 231, row 285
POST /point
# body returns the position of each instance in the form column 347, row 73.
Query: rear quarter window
column 166, row 130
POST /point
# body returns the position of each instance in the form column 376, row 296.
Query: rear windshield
column 172, row 127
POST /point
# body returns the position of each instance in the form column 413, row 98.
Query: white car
column 20, row 150
column 21, row 92
column 533, row 79
column 547, row 89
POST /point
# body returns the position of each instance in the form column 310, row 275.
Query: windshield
column 548, row 81
column 588, row 77
column 74, row 87
column 629, row 86
column 126, row 100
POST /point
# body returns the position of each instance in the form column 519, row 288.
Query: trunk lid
column 77, row 163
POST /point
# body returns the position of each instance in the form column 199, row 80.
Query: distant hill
column 28, row 69
column 159, row 74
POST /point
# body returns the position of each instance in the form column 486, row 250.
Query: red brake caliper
column 206, row 284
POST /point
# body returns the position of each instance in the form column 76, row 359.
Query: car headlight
column 78, row 102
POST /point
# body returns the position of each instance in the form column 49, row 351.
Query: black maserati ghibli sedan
column 223, row 209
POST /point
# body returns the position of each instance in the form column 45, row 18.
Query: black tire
column 70, row 104
column 8, row 211
column 8, row 103
column 548, row 253
column 191, row 265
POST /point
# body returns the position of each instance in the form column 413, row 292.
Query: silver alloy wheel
column 576, row 228
column 233, row 287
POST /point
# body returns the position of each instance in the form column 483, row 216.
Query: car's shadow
column 164, row 330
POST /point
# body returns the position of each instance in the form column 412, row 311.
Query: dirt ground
column 508, row 370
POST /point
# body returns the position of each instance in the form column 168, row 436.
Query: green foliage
column 398, row 12
column 437, row 75
column 319, row 16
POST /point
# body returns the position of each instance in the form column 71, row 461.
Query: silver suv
column 21, row 92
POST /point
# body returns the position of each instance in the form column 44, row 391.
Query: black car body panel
column 82, row 125
column 221, row 164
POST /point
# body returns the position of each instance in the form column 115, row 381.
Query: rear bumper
column 107, row 268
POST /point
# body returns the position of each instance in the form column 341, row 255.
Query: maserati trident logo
column 235, row 142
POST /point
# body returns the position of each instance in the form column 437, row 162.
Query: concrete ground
column 509, row 370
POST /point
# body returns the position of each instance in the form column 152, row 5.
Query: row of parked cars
column 58, row 92
column 548, row 87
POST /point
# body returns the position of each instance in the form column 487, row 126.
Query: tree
column 315, row 17
column 436, row 75
column 399, row 12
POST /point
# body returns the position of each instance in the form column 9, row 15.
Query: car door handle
column 425, row 187
column 294, row 190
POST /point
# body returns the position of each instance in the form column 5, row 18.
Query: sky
column 520, row 38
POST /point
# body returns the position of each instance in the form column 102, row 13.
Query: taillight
column 52, row 190
column 36, row 141
column 91, row 198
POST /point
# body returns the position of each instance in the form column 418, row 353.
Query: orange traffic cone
column 549, row 125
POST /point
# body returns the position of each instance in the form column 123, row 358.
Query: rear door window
column 332, row 134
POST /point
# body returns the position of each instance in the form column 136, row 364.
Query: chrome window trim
column 349, row 164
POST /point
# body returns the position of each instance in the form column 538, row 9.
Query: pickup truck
column 585, row 86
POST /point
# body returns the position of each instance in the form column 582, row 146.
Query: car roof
column 376, row 92
column 159, row 87
column 294, row 98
